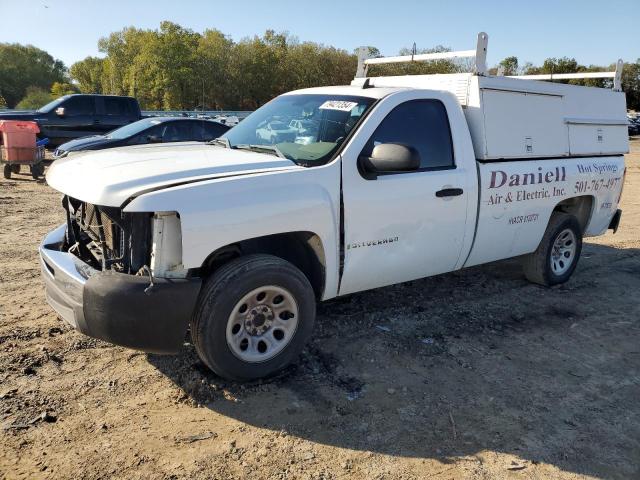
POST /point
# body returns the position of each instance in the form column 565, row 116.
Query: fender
column 222, row 211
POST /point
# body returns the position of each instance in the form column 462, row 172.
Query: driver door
column 401, row 226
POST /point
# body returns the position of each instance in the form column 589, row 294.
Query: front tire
column 558, row 253
column 253, row 317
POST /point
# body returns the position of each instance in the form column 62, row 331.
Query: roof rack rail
column 617, row 76
column 480, row 67
column 480, row 54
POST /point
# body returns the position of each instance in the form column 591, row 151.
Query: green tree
column 59, row 89
column 631, row 84
column 35, row 98
column 214, row 81
column 88, row 74
column 23, row 66
column 509, row 66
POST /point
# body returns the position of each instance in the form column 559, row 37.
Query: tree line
column 175, row 68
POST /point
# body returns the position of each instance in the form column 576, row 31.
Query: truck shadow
column 464, row 363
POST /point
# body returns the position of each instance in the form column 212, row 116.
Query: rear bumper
column 615, row 221
column 114, row 306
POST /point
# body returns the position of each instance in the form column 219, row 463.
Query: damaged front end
column 106, row 237
column 99, row 274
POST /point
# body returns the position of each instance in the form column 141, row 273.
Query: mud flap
column 615, row 221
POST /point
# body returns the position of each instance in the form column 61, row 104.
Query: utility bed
column 519, row 117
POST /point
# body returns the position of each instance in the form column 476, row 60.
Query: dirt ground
column 475, row 374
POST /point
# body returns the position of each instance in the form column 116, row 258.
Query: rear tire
column 7, row 171
column 15, row 169
column 558, row 253
column 37, row 170
column 253, row 317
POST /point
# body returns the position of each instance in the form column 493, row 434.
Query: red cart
column 18, row 147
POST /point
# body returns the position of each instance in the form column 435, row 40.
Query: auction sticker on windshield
column 338, row 105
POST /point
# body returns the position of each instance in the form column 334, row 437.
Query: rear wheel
column 15, row 169
column 253, row 317
column 558, row 253
column 37, row 170
column 7, row 171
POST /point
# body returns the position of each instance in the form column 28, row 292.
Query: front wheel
column 558, row 253
column 253, row 317
column 7, row 171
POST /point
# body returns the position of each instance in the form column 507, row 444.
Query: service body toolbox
column 511, row 118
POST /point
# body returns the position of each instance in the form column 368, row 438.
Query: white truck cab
column 397, row 178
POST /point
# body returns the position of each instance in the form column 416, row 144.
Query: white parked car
column 408, row 177
column 306, row 130
column 274, row 131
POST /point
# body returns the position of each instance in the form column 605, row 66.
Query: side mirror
column 154, row 139
column 60, row 111
column 389, row 158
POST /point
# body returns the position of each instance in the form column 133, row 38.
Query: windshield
column 132, row 129
column 53, row 104
column 305, row 128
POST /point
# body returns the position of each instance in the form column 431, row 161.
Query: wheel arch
column 303, row 249
column 580, row 207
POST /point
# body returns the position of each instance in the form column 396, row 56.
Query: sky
column 591, row 31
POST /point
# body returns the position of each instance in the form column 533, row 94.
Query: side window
column 77, row 106
column 116, row 106
column 143, row 137
column 213, row 130
column 422, row 124
column 178, row 132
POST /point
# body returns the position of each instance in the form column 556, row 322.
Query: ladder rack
column 617, row 76
column 480, row 54
column 480, row 67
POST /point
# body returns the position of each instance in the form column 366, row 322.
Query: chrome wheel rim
column 563, row 252
column 262, row 324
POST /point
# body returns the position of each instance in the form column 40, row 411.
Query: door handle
column 449, row 192
column 96, row 122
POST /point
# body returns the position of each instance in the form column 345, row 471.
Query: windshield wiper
column 220, row 141
column 269, row 148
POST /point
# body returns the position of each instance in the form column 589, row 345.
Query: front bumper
column 114, row 306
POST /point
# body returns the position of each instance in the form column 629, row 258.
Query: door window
column 116, row 106
column 77, row 106
column 213, row 130
column 421, row 124
column 178, row 132
column 143, row 137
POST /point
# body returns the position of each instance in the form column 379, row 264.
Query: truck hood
column 111, row 177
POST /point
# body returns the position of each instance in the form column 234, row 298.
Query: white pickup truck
column 396, row 178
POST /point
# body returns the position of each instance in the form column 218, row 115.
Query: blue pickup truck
column 79, row 115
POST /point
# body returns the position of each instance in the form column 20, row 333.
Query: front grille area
column 101, row 224
column 106, row 237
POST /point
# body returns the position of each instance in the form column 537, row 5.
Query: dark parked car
column 148, row 130
column 75, row 116
column 633, row 126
